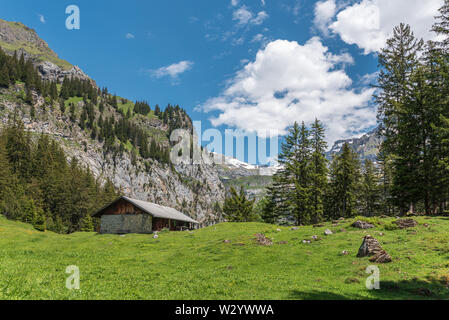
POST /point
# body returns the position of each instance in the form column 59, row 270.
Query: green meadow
column 200, row 265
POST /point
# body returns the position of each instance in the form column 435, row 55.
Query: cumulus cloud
column 324, row 13
column 290, row 82
column 173, row 71
column 369, row 23
column 234, row 2
column 129, row 36
column 245, row 16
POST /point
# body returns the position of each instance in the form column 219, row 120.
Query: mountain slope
column 79, row 123
column 367, row 146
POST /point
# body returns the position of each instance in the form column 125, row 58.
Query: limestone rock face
column 159, row 183
column 52, row 72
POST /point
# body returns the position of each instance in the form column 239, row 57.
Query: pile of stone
column 362, row 225
column 406, row 223
column 371, row 248
column 263, row 240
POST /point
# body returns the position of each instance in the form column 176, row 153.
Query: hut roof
column 153, row 209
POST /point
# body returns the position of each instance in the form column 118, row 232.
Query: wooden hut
column 126, row 215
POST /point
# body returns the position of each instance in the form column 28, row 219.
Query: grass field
column 199, row 265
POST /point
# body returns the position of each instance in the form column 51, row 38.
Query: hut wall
column 126, row 223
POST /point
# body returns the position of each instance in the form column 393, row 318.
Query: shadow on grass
column 432, row 289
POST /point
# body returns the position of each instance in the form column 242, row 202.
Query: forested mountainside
column 117, row 139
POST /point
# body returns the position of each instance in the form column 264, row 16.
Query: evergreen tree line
column 14, row 69
column 39, row 186
column 413, row 100
column 413, row 171
column 308, row 189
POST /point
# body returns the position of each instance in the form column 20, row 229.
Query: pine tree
column 87, row 224
column 319, row 170
column 4, row 76
column 237, row 208
column 370, row 190
column 40, row 221
column 344, row 184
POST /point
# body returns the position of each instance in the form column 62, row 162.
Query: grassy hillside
column 199, row 265
column 21, row 37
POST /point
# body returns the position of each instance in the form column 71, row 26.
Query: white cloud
column 324, row 12
column 234, row 2
column 129, row 36
column 263, row 3
column 290, row 82
column 244, row 16
column 369, row 23
column 41, row 18
column 173, row 70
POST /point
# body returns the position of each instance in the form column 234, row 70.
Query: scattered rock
column 278, row 230
column 345, row 253
column 335, row 225
column 306, row 241
column 381, row 234
column 263, row 240
column 155, row 236
column 341, row 219
column 426, row 225
column 227, row 241
column 283, row 242
column 384, row 216
column 362, row 225
column 295, row 228
column 328, row 232
column 320, row 225
column 336, row 221
column 406, row 223
column 315, row 238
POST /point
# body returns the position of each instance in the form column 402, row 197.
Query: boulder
column 263, row 240
column 328, row 232
column 227, row 241
column 362, row 225
column 406, row 223
column 370, row 246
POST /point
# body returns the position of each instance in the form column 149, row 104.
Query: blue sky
column 316, row 58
